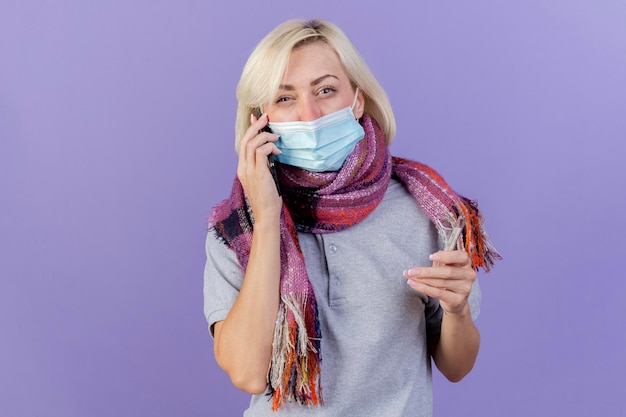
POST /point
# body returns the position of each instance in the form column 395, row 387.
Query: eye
column 282, row 99
column 327, row 90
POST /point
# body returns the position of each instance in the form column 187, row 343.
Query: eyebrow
column 313, row 83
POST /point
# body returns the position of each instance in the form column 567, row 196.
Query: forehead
column 311, row 61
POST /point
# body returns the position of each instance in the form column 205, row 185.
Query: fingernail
column 411, row 272
column 434, row 257
column 251, row 118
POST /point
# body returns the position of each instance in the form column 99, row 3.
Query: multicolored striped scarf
column 326, row 202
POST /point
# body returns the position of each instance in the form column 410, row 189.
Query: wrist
column 461, row 312
column 267, row 218
column 267, row 225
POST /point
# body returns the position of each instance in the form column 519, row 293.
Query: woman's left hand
column 450, row 279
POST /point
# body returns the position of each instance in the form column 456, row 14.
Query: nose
column 308, row 109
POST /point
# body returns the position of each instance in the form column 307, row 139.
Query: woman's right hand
column 254, row 173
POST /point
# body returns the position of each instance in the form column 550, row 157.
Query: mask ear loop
column 354, row 101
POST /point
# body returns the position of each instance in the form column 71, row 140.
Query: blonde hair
column 264, row 70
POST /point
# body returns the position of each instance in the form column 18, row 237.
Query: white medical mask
column 319, row 145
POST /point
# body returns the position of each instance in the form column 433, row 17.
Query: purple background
column 116, row 139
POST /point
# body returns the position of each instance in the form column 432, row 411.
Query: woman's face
column 315, row 84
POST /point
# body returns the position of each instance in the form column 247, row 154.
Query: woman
column 337, row 256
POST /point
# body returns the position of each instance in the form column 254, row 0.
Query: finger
column 455, row 257
column 443, row 271
column 251, row 140
column 255, row 144
column 262, row 152
column 253, row 130
column 260, row 123
column 456, row 276
column 443, row 294
column 463, row 287
column 457, row 279
column 257, row 168
column 248, row 134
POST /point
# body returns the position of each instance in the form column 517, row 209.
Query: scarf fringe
column 474, row 239
column 295, row 367
column 466, row 232
column 457, row 219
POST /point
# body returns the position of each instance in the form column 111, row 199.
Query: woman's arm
column 243, row 341
column 455, row 349
column 450, row 279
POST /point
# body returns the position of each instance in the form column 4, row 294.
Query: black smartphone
column 270, row 157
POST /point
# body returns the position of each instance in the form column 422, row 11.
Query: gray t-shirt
column 375, row 360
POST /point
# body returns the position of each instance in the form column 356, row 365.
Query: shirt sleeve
column 433, row 313
column 475, row 299
column 222, row 280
